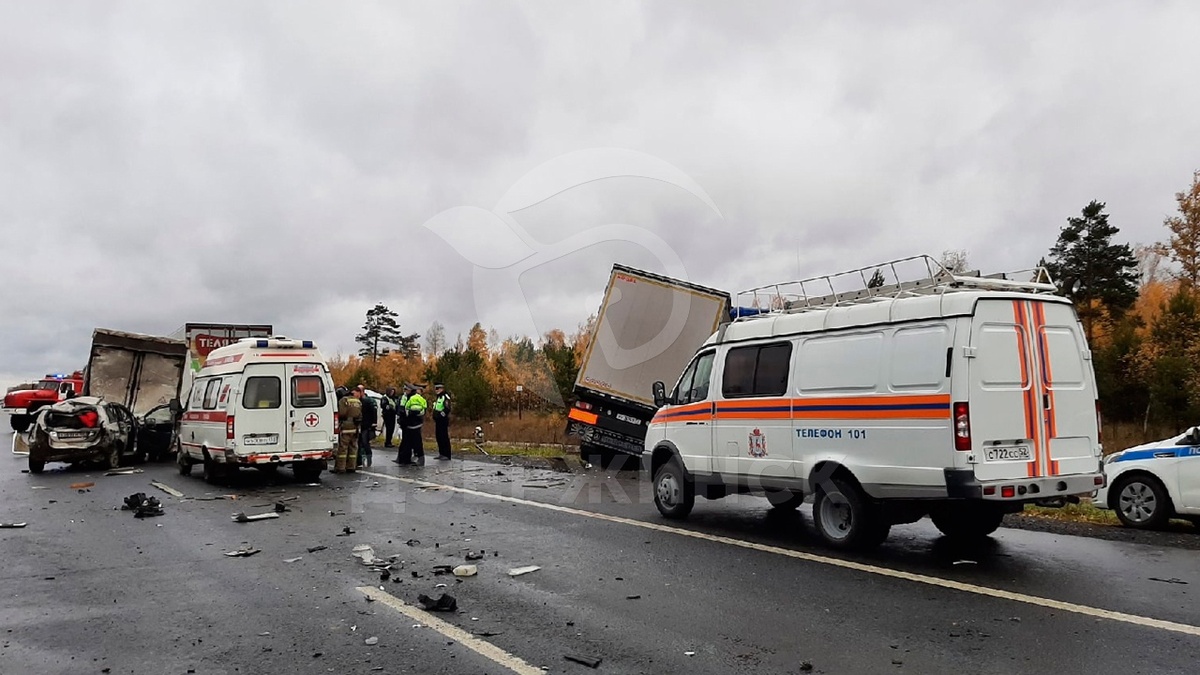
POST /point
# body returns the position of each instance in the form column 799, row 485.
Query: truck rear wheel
column 19, row 423
column 845, row 517
column 674, row 493
column 967, row 520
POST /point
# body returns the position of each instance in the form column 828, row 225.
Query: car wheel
column 845, row 518
column 308, row 472
column 36, row 466
column 185, row 464
column 674, row 493
column 112, row 458
column 785, row 499
column 1142, row 502
column 967, row 521
column 19, row 423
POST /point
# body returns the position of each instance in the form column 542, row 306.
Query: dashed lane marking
column 1048, row 603
column 481, row 647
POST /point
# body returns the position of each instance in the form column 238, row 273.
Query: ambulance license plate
column 266, row 439
column 1018, row 453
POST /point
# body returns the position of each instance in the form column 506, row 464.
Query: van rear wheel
column 845, row 517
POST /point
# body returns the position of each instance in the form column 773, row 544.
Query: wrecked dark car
column 88, row 428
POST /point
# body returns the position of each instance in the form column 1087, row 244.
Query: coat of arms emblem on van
column 758, row 444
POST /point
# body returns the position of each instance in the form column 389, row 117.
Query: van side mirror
column 660, row 394
column 176, row 407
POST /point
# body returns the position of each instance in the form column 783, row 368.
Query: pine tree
column 381, row 333
column 1096, row 274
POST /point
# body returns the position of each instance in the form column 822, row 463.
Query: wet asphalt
column 89, row 588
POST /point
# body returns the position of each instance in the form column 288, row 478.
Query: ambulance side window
column 210, row 393
column 262, row 393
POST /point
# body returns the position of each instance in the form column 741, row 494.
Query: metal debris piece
column 633, row 597
column 166, row 488
column 80, row 486
column 466, row 571
column 413, row 542
column 243, row 552
column 371, row 641
column 123, row 472
column 243, row 518
column 444, row 603
column 965, row 562
column 292, row 560
column 346, row 532
column 474, row 556
column 314, row 549
column 518, row 571
column 589, row 661
column 11, row 526
column 365, row 554
column 1172, row 580
column 439, row 570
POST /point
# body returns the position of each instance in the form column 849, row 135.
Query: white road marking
column 1047, row 603
column 481, row 647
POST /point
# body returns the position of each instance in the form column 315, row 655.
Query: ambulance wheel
column 846, row 519
column 308, row 472
column 1141, row 502
column 674, row 493
column 785, row 500
column 36, row 466
column 215, row 473
column 185, row 463
column 967, row 521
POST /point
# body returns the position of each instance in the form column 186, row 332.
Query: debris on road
column 81, row 486
column 292, row 560
column 142, row 506
column 689, row 653
column 280, row 507
column 444, row 603
column 474, row 556
column 243, row 518
column 314, row 549
column 413, row 542
column 589, row 661
column 965, row 562
column 519, row 571
column 166, row 488
column 11, row 526
column 371, row 641
column 123, row 472
column 633, row 597
column 346, row 532
column 1172, row 580
column 243, row 552
column 365, row 554
column 439, row 570
column 466, row 571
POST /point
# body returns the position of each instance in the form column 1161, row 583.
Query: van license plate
column 269, row 439
column 1017, row 454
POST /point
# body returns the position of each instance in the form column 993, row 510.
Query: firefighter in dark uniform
column 349, row 417
column 370, row 418
column 441, row 420
column 387, row 406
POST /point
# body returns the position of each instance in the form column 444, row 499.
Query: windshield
column 48, row 384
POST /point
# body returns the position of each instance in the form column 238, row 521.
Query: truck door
column 260, row 425
column 1005, row 414
column 1067, row 390
column 310, row 414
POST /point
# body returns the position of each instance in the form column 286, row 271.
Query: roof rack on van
column 903, row 277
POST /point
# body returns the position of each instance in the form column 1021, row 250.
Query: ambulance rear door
column 260, row 419
column 309, row 408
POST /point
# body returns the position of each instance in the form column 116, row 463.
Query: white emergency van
column 262, row 403
column 961, row 397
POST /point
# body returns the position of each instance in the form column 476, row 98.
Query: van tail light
column 337, row 424
column 1099, row 425
column 229, row 436
column 962, row 426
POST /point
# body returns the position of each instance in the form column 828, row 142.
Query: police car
column 1152, row 483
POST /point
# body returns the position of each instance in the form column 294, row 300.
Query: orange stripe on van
column 1034, row 468
column 1047, row 378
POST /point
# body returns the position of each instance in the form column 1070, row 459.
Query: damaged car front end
column 82, row 429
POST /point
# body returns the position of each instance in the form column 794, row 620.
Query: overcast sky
column 167, row 162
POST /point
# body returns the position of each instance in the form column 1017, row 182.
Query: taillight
column 337, row 424
column 962, row 426
column 583, row 405
column 229, row 428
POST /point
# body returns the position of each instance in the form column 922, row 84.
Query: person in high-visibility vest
column 441, row 420
column 412, row 445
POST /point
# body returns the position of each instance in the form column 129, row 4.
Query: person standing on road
column 387, row 406
column 370, row 418
column 414, row 417
column 349, row 417
column 441, row 420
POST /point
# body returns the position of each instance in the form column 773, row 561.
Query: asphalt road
column 89, row 588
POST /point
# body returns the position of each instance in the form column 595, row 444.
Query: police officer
column 350, row 416
column 441, row 420
column 404, row 454
column 367, row 429
column 387, row 406
column 414, row 417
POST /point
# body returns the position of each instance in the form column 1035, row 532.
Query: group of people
column 359, row 416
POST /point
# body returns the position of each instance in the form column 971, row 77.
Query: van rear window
column 308, row 391
column 262, row 392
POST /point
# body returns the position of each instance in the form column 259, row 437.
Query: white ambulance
column 960, row 397
column 262, row 403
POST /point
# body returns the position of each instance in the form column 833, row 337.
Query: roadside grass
column 538, row 428
column 516, row 450
column 1083, row 512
